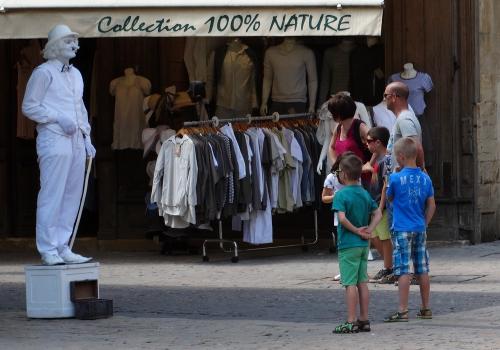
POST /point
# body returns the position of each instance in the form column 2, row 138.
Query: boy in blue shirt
column 355, row 207
column 413, row 206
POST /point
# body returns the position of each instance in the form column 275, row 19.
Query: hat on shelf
column 153, row 101
column 164, row 136
column 149, row 137
column 182, row 99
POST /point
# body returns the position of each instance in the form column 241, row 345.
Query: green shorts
column 382, row 229
column 353, row 265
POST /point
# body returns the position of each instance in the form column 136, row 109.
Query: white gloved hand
column 89, row 148
column 67, row 124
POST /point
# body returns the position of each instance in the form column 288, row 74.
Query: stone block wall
column 488, row 121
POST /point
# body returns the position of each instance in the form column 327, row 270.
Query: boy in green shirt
column 356, row 209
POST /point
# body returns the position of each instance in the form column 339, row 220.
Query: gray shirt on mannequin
column 291, row 73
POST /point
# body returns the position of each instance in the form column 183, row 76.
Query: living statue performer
column 53, row 99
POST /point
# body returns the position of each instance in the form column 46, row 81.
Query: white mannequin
column 301, row 63
column 129, row 91
column 335, row 69
column 236, row 93
column 53, row 99
column 408, row 71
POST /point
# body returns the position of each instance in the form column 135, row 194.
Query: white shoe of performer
column 52, row 259
column 71, row 258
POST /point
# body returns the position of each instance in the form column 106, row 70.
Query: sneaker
column 71, row 258
column 337, row 277
column 381, row 274
column 370, row 256
column 388, row 279
column 52, row 259
column 425, row 314
column 397, row 317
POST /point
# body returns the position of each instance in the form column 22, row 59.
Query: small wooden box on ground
column 84, row 295
column 48, row 293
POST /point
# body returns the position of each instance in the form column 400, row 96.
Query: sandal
column 363, row 326
column 425, row 314
column 346, row 327
column 397, row 317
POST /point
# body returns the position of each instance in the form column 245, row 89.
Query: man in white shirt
column 53, row 99
column 407, row 125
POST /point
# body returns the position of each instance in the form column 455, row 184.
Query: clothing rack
column 215, row 121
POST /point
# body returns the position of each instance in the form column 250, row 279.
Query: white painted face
column 67, row 48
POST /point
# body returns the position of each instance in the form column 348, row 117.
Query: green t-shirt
column 358, row 205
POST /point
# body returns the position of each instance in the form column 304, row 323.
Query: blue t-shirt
column 409, row 189
column 358, row 205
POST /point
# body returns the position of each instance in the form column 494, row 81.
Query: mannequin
column 419, row 84
column 335, row 69
column 30, row 58
column 129, row 91
column 54, row 101
column 367, row 80
column 197, row 51
column 290, row 78
column 232, row 79
column 408, row 71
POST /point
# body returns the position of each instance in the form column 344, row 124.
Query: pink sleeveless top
column 349, row 144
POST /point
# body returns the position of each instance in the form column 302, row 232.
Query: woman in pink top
column 351, row 132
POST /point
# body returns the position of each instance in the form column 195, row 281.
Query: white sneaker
column 370, row 255
column 71, row 258
column 52, row 259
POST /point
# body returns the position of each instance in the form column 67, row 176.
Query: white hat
column 149, row 137
column 164, row 136
column 59, row 31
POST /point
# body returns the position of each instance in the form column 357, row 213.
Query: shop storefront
column 152, row 38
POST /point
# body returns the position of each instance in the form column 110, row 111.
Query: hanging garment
column 30, row 58
column 129, row 116
column 174, row 183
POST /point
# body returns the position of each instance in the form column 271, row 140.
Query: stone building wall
column 488, row 121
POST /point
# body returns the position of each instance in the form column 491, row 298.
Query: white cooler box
column 48, row 288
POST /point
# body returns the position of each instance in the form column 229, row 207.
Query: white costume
column 53, row 100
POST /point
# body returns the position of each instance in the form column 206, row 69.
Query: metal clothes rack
column 215, row 121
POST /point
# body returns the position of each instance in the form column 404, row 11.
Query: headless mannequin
column 129, row 91
column 54, row 99
column 231, row 79
column 408, row 71
column 290, row 64
column 335, row 69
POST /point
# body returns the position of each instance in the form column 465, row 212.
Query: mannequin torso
column 289, row 75
column 129, row 91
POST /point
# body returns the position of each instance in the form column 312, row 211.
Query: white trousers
column 62, row 169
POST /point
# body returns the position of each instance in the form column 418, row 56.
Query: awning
column 152, row 18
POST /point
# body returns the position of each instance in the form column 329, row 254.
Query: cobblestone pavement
column 266, row 301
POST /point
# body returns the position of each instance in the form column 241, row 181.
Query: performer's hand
column 89, row 148
column 67, row 124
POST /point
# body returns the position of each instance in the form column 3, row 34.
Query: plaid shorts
column 409, row 246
